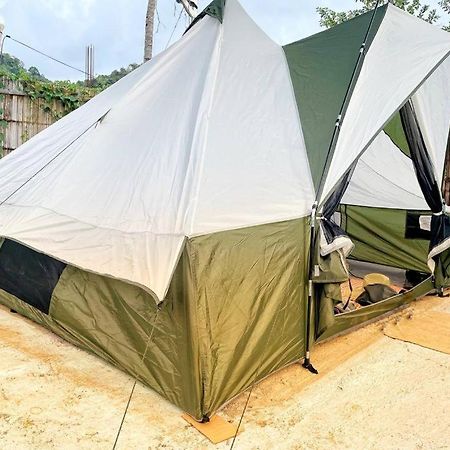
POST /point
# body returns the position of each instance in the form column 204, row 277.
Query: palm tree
column 189, row 7
column 149, row 21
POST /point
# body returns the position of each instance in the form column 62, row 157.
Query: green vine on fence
column 2, row 121
column 69, row 95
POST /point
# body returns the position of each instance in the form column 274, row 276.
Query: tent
column 166, row 225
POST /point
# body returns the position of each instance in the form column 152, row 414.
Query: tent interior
column 383, row 210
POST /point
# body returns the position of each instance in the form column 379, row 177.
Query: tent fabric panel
column 222, row 157
column 113, row 202
column 346, row 321
column 251, row 285
column 114, row 321
column 394, row 129
column 236, row 303
column 119, row 320
column 20, row 165
column 384, row 177
column 321, row 68
column 379, row 237
column 105, row 251
column 333, row 272
column 383, row 84
column 432, row 107
column 421, row 157
column 252, row 166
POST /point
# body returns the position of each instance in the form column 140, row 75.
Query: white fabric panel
column 110, row 203
column 204, row 138
column 403, row 53
column 18, row 166
column 254, row 167
column 432, row 107
column 385, row 178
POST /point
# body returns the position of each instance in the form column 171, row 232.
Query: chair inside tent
column 197, row 223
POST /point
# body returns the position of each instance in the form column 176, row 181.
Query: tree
column 9, row 64
column 189, row 6
column 149, row 22
column 104, row 81
column 34, row 72
column 330, row 18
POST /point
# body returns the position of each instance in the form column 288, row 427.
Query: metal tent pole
column 362, row 52
column 312, row 245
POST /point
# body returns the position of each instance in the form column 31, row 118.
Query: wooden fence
column 23, row 115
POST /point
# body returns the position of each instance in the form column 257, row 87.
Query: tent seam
column 195, row 189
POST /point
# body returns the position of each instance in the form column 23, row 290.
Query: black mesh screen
column 412, row 229
column 28, row 275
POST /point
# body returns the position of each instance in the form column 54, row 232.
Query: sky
column 62, row 28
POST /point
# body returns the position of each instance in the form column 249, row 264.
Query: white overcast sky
column 62, row 28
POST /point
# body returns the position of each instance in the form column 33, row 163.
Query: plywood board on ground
column 216, row 430
column 430, row 329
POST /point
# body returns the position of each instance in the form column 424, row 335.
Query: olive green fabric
column 321, row 68
column 344, row 322
column 394, row 129
column 379, row 237
column 330, row 295
column 115, row 320
column 235, row 312
column 327, row 282
column 251, row 287
column 442, row 270
column 375, row 293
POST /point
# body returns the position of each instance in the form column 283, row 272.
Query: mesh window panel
column 413, row 229
column 28, row 275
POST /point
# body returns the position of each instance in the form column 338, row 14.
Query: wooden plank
column 216, row 430
column 430, row 330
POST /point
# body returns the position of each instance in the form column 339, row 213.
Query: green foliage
column 14, row 66
column 69, row 95
column 34, row 72
column 11, row 64
column 48, row 94
column 330, row 18
column 104, row 81
column 2, row 122
column 445, row 5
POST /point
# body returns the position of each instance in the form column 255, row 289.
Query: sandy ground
column 372, row 393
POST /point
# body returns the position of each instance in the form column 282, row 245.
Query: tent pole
column 312, row 245
column 353, row 79
column 345, row 103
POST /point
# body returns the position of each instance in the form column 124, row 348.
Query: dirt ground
column 372, row 393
